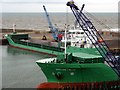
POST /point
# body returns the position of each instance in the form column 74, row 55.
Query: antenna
column 65, row 40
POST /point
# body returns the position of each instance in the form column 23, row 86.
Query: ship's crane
column 53, row 29
column 92, row 34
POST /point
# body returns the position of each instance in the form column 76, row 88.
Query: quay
column 111, row 38
column 35, row 35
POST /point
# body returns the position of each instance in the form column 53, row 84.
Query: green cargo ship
column 79, row 67
column 86, row 68
column 22, row 41
column 83, row 66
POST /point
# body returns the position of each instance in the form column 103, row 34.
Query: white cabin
column 78, row 38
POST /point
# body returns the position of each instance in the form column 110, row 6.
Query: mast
column 65, row 40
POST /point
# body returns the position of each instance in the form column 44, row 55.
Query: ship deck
column 86, row 55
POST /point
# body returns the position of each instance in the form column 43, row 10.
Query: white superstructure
column 77, row 37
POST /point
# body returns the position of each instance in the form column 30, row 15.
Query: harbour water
column 19, row 69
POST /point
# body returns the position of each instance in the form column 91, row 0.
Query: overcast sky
column 57, row 5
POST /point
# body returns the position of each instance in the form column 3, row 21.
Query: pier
column 35, row 35
column 111, row 38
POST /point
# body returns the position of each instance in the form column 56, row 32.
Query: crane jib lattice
column 94, row 37
column 53, row 29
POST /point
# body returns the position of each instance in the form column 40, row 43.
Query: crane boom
column 91, row 31
column 52, row 28
column 48, row 18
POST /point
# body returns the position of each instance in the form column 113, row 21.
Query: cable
column 97, row 20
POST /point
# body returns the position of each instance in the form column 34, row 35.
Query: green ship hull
column 15, row 41
column 77, row 73
column 78, row 68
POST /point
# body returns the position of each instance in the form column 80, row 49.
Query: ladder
column 94, row 37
